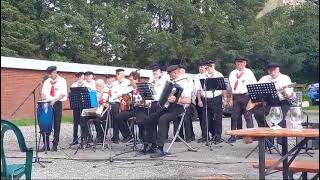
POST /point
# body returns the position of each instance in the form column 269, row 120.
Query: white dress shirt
column 77, row 84
column 186, row 85
column 91, row 85
column 158, row 85
column 279, row 82
column 60, row 88
column 209, row 94
column 246, row 78
column 120, row 88
column 197, row 84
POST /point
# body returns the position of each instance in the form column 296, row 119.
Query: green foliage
column 135, row 33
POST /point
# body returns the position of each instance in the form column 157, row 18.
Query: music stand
column 264, row 93
column 211, row 84
column 146, row 91
column 80, row 99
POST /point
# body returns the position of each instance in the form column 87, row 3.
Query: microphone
column 44, row 78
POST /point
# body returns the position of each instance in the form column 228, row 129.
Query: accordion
column 170, row 89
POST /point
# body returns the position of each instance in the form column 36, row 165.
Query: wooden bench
column 297, row 166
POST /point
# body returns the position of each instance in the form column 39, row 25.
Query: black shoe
column 99, row 140
column 239, row 137
column 127, row 139
column 145, row 149
column 177, row 140
column 193, row 138
column 232, row 139
column 90, row 140
column 217, row 140
column 43, row 149
column 158, row 153
column 74, row 143
column 202, row 140
column 189, row 140
column 148, row 149
column 54, row 148
column 116, row 141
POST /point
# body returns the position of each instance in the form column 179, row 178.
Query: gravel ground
column 224, row 160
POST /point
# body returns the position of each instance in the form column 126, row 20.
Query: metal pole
column 262, row 174
column 285, row 161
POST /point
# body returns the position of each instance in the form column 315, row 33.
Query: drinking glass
column 296, row 118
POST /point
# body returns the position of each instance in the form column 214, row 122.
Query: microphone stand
column 33, row 93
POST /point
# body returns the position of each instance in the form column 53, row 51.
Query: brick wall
column 17, row 84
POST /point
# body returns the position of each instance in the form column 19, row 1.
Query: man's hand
column 172, row 99
column 225, row 102
column 200, row 103
column 230, row 102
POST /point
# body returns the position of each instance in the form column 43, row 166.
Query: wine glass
column 275, row 117
column 296, row 119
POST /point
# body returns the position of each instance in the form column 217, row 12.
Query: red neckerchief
column 52, row 90
column 237, row 81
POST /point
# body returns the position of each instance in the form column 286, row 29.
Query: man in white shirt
column 80, row 82
column 54, row 90
column 239, row 79
column 158, row 82
column 197, row 86
column 214, row 105
column 120, row 87
column 187, row 120
column 109, row 84
column 280, row 81
column 175, row 109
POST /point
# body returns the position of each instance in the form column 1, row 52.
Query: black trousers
column 240, row 102
column 202, row 120
column 173, row 112
column 150, row 123
column 118, row 125
column 139, row 113
column 57, row 115
column 187, row 127
column 214, row 113
column 76, row 123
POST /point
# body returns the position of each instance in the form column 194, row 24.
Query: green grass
column 314, row 108
column 30, row 122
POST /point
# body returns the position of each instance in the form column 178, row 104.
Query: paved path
column 224, row 160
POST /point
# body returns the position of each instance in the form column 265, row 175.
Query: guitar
column 251, row 106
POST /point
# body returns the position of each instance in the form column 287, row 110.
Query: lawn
column 313, row 108
column 30, row 122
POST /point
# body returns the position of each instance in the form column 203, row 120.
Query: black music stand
column 146, row 91
column 80, row 99
column 264, row 93
column 212, row 84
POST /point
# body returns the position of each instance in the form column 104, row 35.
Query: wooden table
column 263, row 133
